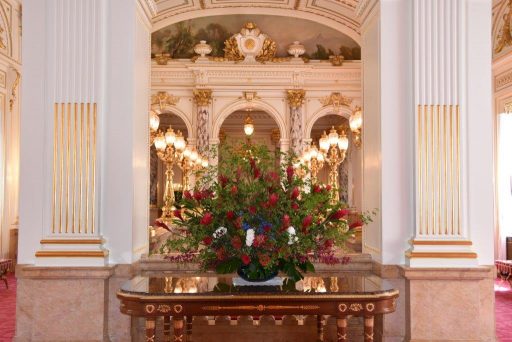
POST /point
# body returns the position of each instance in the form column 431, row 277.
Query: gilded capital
column 295, row 97
column 202, row 97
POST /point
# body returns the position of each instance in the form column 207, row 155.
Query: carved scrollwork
column 356, row 307
column 505, row 36
column 370, row 307
column 202, row 97
column 231, row 51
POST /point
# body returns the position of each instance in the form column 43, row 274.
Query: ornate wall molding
column 502, row 80
column 163, row 98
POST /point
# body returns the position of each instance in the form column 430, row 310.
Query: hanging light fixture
column 248, row 125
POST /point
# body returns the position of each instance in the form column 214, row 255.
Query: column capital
column 202, row 97
column 295, row 97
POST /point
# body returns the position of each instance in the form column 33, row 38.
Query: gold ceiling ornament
column 250, row 45
column 231, row 51
column 162, row 58
column 163, row 98
column 268, row 51
column 336, row 100
column 202, row 97
column 505, row 36
column 295, row 97
column 336, row 60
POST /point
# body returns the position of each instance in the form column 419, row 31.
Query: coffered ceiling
column 338, row 14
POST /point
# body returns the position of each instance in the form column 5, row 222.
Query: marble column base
column 454, row 304
column 70, row 304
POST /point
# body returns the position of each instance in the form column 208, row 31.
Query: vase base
column 276, row 281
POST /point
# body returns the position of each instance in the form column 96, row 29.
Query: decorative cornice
column 150, row 7
column 295, row 97
column 502, row 80
column 202, row 97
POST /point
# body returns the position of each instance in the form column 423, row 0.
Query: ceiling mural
column 320, row 41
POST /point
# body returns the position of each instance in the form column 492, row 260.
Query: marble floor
column 7, row 309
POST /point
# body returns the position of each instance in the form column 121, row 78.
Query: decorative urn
column 296, row 49
column 202, row 48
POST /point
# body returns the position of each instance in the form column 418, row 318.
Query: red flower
column 257, row 173
column 238, row 222
column 328, row 187
column 289, row 172
column 198, row 196
column 306, row 222
column 236, row 242
column 259, row 240
column 273, row 176
column 207, row 218
column 355, row 224
column 286, row 221
column 207, row 241
column 252, row 162
column 177, row 213
column 266, row 228
column 295, row 206
column 328, row 243
column 246, row 259
column 223, row 180
column 221, row 253
column 340, row 214
column 295, row 193
column 252, row 210
column 317, row 189
column 187, row 194
column 272, row 199
column 162, row 225
column 230, row 215
column 264, row 259
column 234, row 190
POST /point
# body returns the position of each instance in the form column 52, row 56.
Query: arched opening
column 168, row 120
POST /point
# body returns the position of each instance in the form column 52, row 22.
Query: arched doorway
column 158, row 167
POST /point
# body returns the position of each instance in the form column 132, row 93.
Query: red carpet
column 7, row 309
column 503, row 310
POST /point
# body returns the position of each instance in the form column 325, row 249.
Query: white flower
column 249, row 238
column 220, row 232
column 292, row 235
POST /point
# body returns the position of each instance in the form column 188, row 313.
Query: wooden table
column 183, row 296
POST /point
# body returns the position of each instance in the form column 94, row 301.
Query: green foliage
column 292, row 221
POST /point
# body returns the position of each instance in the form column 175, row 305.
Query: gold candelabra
column 314, row 159
column 334, row 146
column 191, row 162
column 170, row 147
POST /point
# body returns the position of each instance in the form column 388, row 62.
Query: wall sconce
column 355, row 122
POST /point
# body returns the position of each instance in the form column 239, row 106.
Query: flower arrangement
column 253, row 214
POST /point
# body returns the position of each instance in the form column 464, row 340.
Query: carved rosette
column 202, row 98
column 296, row 99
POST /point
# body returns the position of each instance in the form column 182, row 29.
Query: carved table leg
column 320, row 328
column 341, row 323
column 189, row 328
column 167, row 328
column 178, row 329
column 150, row 329
column 368, row 329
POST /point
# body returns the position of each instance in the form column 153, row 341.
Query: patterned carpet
column 502, row 289
column 7, row 309
column 503, row 310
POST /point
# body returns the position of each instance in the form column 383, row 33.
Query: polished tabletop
column 206, row 284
